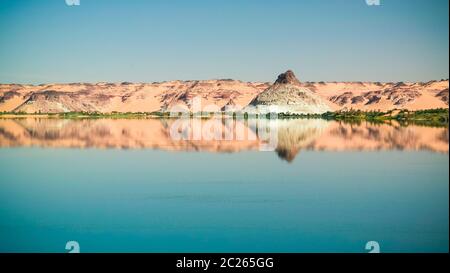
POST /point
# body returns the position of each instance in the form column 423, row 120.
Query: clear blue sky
column 253, row 40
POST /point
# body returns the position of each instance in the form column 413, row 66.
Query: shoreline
column 438, row 116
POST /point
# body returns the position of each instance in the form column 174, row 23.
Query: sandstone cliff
column 222, row 94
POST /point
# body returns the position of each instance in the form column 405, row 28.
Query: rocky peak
column 289, row 96
column 287, row 77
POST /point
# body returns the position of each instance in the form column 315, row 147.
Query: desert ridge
column 287, row 93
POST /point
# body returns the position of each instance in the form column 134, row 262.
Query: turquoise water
column 147, row 200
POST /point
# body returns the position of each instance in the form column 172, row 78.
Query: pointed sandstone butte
column 287, row 77
column 287, row 95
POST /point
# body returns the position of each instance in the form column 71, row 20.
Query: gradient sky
column 45, row 41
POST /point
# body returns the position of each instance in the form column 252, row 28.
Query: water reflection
column 222, row 135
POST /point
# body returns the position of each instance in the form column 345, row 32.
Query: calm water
column 131, row 186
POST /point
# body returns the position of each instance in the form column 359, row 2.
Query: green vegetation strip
column 431, row 117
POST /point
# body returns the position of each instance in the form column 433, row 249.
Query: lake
column 222, row 185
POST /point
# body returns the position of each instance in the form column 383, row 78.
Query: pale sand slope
column 150, row 97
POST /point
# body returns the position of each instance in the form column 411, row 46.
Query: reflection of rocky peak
column 295, row 135
column 287, row 78
column 287, row 154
